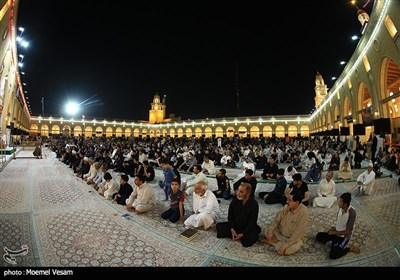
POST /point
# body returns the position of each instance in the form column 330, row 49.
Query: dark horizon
column 118, row 58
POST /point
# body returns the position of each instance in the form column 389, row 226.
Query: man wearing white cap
column 365, row 181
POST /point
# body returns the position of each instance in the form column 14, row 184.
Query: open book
column 189, row 234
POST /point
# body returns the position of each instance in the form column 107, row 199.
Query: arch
column 88, row 131
column 118, row 132
column 364, row 101
column 292, row 131
column 66, row 130
column 347, row 110
column 255, row 131
column 230, row 131
column 280, row 131
column 267, row 131
column 219, row 132
column 242, row 131
column 99, row 131
column 55, row 129
column 389, row 85
column 136, row 132
column 208, row 132
column 77, row 131
column 144, row 132
column 198, row 132
column 34, row 129
column 164, row 132
column 336, row 116
column 44, row 130
column 152, row 133
column 180, row 132
column 172, row 132
column 128, row 132
column 188, row 132
column 305, row 130
column 109, row 132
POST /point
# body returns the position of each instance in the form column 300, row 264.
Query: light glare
column 72, row 108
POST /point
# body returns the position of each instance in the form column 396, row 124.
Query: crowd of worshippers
column 94, row 159
column 262, row 155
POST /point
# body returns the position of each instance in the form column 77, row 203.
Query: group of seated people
column 285, row 233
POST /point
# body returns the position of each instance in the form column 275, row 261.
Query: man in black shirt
column 224, row 188
column 125, row 190
column 299, row 184
column 242, row 218
column 248, row 178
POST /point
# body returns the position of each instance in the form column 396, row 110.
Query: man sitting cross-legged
column 288, row 229
column 205, row 207
column 341, row 233
column 142, row 199
column 242, row 218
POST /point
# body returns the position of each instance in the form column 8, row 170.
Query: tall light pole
column 42, row 106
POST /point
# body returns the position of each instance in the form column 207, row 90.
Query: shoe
column 355, row 249
column 358, row 192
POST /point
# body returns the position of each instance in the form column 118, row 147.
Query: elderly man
column 326, row 192
column 365, row 181
column 288, row 229
column 242, row 218
column 142, row 199
column 205, row 207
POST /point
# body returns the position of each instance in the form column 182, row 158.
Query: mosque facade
column 364, row 98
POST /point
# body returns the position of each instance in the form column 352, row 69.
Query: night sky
column 115, row 55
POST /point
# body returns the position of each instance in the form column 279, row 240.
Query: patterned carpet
column 66, row 223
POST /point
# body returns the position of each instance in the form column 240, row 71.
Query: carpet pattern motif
column 66, row 223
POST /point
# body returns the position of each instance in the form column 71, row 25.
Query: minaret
column 321, row 90
column 363, row 17
column 164, row 105
column 157, row 111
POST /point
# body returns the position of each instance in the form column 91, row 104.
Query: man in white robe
column 326, row 192
column 205, row 207
column 365, row 181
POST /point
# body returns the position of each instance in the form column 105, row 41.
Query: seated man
column 224, row 188
column 326, row 192
column 248, row 178
column 38, row 151
column 125, row 190
column 270, row 170
column 345, row 172
column 276, row 195
column 208, row 166
column 242, row 218
column 299, row 184
column 142, row 199
column 288, row 229
column 205, row 207
column 148, row 171
column 340, row 235
column 110, row 187
column 192, row 180
column 365, row 181
column 288, row 174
